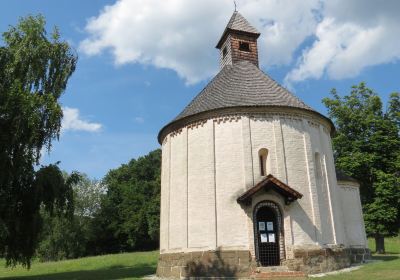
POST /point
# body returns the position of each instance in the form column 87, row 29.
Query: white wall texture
column 208, row 164
column 352, row 215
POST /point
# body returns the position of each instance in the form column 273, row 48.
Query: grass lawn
column 118, row 266
column 137, row 265
column 388, row 267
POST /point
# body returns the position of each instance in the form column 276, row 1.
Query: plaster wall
column 296, row 168
column 326, row 234
column 201, row 184
column 231, row 219
column 164, row 207
column 208, row 164
column 178, row 192
column 352, row 215
column 334, row 190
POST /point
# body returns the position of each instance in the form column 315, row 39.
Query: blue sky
column 141, row 62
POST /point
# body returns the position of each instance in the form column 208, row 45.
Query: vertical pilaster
column 187, row 187
column 185, row 182
column 169, row 192
column 280, row 150
column 215, row 186
column 334, row 196
column 312, row 182
column 247, row 153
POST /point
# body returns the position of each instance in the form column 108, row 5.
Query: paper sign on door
column 264, row 238
column 270, row 226
column 271, row 237
column 261, row 226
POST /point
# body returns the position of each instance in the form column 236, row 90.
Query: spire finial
column 234, row 3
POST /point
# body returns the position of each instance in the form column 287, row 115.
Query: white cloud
column 73, row 121
column 342, row 37
column 352, row 36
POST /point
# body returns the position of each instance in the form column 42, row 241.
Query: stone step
column 280, row 268
column 278, row 274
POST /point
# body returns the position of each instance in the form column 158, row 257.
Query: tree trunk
column 380, row 244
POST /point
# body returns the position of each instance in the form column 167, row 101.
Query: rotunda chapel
column 248, row 183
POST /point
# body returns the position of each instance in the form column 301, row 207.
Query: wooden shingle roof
column 238, row 23
column 241, row 84
column 270, row 182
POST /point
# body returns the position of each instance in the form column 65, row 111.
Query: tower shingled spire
column 238, row 41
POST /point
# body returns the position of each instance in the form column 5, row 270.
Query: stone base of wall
column 240, row 264
column 206, row 264
column 312, row 260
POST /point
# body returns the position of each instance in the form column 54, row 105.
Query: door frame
column 278, row 212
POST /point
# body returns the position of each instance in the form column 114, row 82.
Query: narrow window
column 224, row 52
column 244, row 46
column 263, row 154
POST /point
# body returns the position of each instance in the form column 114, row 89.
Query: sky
column 142, row 61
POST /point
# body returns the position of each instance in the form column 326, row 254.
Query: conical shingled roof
column 238, row 85
column 240, row 24
column 241, row 84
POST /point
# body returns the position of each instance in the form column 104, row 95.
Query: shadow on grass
column 111, row 273
column 385, row 257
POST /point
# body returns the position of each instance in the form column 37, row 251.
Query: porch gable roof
column 270, row 182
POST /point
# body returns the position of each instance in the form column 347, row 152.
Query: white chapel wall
column 231, row 219
column 326, row 232
column 212, row 158
column 333, row 185
column 201, row 184
column 352, row 214
column 178, row 192
column 301, row 211
column 164, row 208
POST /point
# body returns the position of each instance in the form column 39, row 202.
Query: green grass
column 137, row 265
column 392, row 245
column 117, row 266
column 388, row 267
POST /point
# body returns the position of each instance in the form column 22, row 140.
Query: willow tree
column 34, row 71
column 367, row 147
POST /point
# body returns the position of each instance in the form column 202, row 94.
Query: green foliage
column 121, row 213
column 129, row 215
column 367, row 147
column 66, row 238
column 34, row 71
column 62, row 238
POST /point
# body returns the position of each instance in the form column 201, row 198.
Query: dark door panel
column 267, row 236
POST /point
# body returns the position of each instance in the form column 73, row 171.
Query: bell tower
column 238, row 42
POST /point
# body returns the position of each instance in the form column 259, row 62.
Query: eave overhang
column 270, row 183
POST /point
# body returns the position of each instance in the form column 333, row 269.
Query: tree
column 65, row 238
column 367, row 147
column 129, row 215
column 34, row 71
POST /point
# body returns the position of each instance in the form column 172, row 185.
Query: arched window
column 262, row 155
